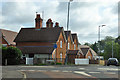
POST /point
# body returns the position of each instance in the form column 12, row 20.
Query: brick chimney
column 38, row 21
column 49, row 23
column 56, row 24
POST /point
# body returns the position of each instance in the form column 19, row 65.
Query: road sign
column 55, row 46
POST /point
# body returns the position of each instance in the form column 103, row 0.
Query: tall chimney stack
column 56, row 24
column 49, row 23
column 38, row 21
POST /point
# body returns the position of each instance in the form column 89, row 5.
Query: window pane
column 60, row 56
column 68, row 46
column 74, row 46
column 60, row 44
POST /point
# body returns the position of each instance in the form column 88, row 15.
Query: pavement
column 61, row 71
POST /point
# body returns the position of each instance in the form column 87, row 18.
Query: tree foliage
column 94, row 47
column 12, row 54
column 106, row 47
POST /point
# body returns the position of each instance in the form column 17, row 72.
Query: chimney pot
column 56, row 24
column 49, row 23
column 38, row 21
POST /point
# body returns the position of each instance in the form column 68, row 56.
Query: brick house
column 8, row 37
column 73, row 51
column 42, row 42
column 87, row 52
column 70, row 40
column 75, row 41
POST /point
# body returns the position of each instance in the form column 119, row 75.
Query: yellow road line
column 23, row 74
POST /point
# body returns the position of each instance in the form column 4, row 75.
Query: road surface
column 90, row 71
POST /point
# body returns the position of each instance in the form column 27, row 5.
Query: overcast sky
column 85, row 16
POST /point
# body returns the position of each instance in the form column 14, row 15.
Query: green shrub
column 12, row 54
column 39, row 64
column 52, row 63
column 58, row 63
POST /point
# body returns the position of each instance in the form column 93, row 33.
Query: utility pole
column 112, row 49
column 67, row 30
column 99, row 47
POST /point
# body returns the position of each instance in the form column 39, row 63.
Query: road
column 91, row 71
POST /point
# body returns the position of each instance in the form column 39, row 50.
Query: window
column 4, row 45
column 68, row 45
column 60, row 56
column 89, row 57
column 60, row 44
column 74, row 47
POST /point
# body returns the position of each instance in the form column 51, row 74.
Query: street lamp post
column 67, row 30
column 99, row 40
column 112, row 49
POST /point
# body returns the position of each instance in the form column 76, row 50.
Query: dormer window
column 60, row 44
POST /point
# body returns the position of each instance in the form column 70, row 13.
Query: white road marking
column 94, row 72
column 83, row 73
column 109, row 73
column 82, row 68
column 41, row 70
column 111, row 69
column 66, row 71
column 39, row 66
column 55, row 71
column 31, row 70
column 44, row 70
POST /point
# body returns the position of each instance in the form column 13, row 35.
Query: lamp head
column 103, row 25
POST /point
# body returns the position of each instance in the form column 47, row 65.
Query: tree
column 88, row 44
column 94, row 47
column 108, row 50
column 12, row 54
column 118, row 40
column 106, row 46
column 4, row 55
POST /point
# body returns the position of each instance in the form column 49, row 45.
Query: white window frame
column 74, row 47
column 4, row 45
column 68, row 45
column 89, row 57
column 60, row 44
column 61, row 57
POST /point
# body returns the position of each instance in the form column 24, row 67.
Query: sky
column 85, row 16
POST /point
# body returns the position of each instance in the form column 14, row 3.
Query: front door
column 31, row 55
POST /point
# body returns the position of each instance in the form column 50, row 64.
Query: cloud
column 85, row 17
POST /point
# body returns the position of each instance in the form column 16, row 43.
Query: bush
column 12, row 54
column 4, row 53
column 58, row 63
column 39, row 64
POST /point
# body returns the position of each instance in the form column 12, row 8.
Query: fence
column 57, row 60
column 93, row 61
column 81, row 61
column 29, row 61
column 48, row 60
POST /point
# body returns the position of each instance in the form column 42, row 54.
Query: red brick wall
column 61, row 50
column 89, row 54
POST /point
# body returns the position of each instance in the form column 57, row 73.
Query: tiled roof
column 36, row 50
column 68, row 33
column 38, row 35
column 9, row 35
column 84, row 50
column 74, row 36
column 72, row 51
